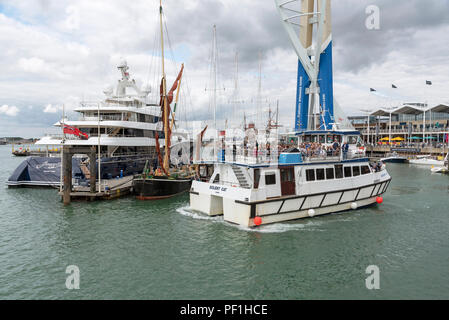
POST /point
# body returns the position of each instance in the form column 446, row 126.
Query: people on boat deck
column 345, row 149
column 377, row 166
column 315, row 149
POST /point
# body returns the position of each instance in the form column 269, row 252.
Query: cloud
column 72, row 21
column 33, row 65
column 51, row 109
column 61, row 52
column 11, row 111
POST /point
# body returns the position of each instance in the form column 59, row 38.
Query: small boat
column 166, row 183
column 42, row 172
column 427, row 161
column 21, row 153
column 394, row 158
column 443, row 170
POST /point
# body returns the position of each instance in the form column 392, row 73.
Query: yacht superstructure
column 123, row 127
column 125, row 122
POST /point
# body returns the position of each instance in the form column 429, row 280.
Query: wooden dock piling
column 68, row 153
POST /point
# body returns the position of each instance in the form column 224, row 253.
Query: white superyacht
column 123, row 127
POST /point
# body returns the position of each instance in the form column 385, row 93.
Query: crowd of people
column 315, row 149
column 259, row 151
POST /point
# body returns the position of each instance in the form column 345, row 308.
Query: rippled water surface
column 127, row 249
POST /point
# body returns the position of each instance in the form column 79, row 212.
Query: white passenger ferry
column 296, row 186
column 254, row 183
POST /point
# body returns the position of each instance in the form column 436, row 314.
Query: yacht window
column 366, row 170
column 356, row 171
column 310, row 175
column 270, row 179
column 320, row 174
column 330, row 173
column 338, row 171
column 348, row 172
column 217, row 178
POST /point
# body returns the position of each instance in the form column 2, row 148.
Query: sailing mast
column 215, row 75
column 164, row 96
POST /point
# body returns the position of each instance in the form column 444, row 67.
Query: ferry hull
column 244, row 214
column 235, row 208
column 206, row 203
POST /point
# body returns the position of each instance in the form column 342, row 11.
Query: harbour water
column 128, row 249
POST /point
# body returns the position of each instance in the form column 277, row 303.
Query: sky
column 58, row 53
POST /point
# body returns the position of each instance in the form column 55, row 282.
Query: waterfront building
column 410, row 123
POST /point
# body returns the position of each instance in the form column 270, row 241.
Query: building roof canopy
column 407, row 109
column 381, row 113
column 443, row 108
column 411, row 109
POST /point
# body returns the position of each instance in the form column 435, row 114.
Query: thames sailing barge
column 164, row 182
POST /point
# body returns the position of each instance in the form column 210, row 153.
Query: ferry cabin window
column 365, row 170
column 348, row 172
column 320, row 174
column 310, row 175
column 338, row 171
column 330, row 173
column 356, row 171
column 270, row 179
column 287, row 175
column 322, row 139
column 256, row 178
column 352, row 139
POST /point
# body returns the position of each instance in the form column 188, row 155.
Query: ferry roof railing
column 257, row 158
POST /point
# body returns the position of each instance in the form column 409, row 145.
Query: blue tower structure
column 314, row 50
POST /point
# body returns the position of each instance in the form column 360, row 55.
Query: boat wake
column 271, row 228
column 185, row 211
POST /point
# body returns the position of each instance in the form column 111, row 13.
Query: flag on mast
column 393, row 86
column 429, row 83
